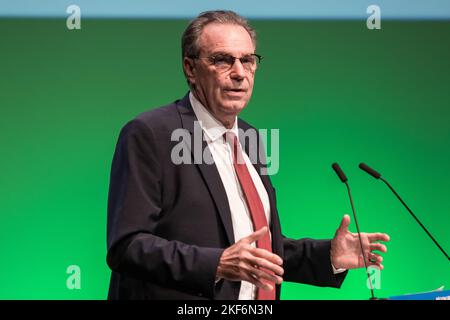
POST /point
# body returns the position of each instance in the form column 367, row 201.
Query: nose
column 237, row 71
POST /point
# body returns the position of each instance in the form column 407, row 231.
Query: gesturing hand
column 241, row 261
column 346, row 249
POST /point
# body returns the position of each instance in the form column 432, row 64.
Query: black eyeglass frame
column 212, row 58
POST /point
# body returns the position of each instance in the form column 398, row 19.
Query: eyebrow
column 229, row 54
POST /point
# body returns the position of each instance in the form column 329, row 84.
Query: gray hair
column 189, row 40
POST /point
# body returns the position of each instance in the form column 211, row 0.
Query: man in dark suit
column 210, row 229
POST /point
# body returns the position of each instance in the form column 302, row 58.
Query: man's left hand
column 346, row 248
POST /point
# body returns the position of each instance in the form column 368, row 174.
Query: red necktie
column 254, row 205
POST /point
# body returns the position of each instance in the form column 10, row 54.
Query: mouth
column 235, row 91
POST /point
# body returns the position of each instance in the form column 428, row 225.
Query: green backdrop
column 336, row 90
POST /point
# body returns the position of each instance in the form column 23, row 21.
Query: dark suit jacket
column 169, row 224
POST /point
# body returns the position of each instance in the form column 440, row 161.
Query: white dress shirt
column 223, row 159
column 221, row 153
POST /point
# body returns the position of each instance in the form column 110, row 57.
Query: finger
column 265, row 275
column 257, row 282
column 378, row 246
column 255, row 235
column 260, row 273
column 263, row 284
column 375, row 258
column 263, row 263
column 262, row 253
column 377, row 266
column 378, row 236
column 345, row 222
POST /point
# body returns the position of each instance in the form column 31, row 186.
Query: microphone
column 377, row 176
column 344, row 179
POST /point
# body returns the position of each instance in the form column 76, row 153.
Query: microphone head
column 369, row 170
column 339, row 172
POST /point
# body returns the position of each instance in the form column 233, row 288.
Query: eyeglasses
column 224, row 62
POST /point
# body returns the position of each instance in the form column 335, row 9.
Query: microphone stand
column 377, row 176
column 344, row 179
column 414, row 216
column 360, row 243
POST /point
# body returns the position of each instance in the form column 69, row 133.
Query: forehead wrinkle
column 216, row 52
column 237, row 51
column 237, row 38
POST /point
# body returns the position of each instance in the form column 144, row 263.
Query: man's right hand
column 242, row 261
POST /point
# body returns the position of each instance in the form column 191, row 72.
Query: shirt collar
column 213, row 128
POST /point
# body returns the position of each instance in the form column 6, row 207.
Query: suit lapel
column 209, row 172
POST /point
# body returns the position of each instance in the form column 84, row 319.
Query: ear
column 189, row 69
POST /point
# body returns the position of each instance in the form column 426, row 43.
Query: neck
column 228, row 123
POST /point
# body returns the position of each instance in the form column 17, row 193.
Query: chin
column 235, row 106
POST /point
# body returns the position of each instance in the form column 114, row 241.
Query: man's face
column 223, row 93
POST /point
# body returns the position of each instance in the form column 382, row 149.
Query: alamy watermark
column 190, row 148
column 374, row 20
column 73, row 21
column 374, row 277
column 74, row 279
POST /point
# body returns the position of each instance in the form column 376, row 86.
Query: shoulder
column 159, row 120
column 160, row 117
